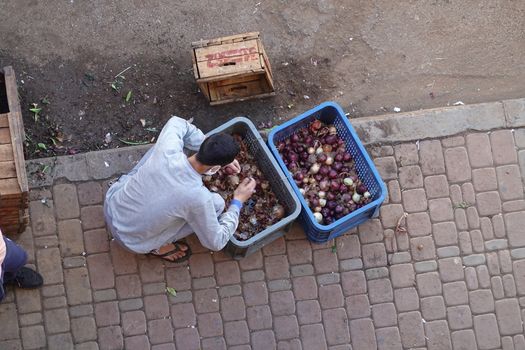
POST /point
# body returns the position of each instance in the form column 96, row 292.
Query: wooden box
column 14, row 215
column 232, row 68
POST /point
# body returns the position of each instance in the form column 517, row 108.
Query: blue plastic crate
column 330, row 112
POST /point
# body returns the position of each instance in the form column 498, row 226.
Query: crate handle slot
column 241, row 87
column 228, row 64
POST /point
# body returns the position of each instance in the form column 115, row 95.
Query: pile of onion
column 262, row 209
column 324, row 171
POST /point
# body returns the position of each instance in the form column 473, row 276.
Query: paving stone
column 84, row 329
column 445, row 233
column 331, row 296
column 415, row 200
column 515, row 223
column 457, row 164
column 308, row 311
column 253, row 275
column 384, row 315
column 489, row 203
column 151, row 269
column 92, row 217
column 374, row 255
column 133, row 323
column 422, row 248
column 260, row 317
column 440, row 209
column 406, row 299
column 30, row 319
column 81, row 310
column 394, row 191
column 206, row 300
column 406, row 154
column 447, row 252
column 336, row 326
column 468, row 193
column 56, row 321
column 7, row 315
column 357, row 306
column 263, row 340
column 399, row 258
column 325, row 261
column 493, row 264
column 390, row 214
column 74, row 261
column 71, row 237
column 134, row 304
column 60, row 341
column 46, row 242
column 486, row 229
column 484, row 179
column 211, row 344
column 464, row 340
column 459, row 317
column 471, row 278
column 496, row 244
column 473, row 218
column 460, row 216
column 483, row 276
column 410, row 177
column 478, row 146
column 128, row 286
column 418, row 224
column 227, row 273
column 362, row 334
column 276, row 267
column 233, row 308
column 294, row 344
column 519, row 342
column 411, row 329
column 313, row 337
column 187, row 338
column 282, row 303
column 510, row 206
column 486, row 329
column 255, row 293
column 236, row 333
column 505, row 261
column 107, row 313
column 455, row 293
column 49, row 265
column 380, row 291
column 104, row 295
column 42, row 216
column 298, row 252
column 230, row 291
column 425, row 266
column 305, row 288
column 388, row 339
column 11, row 344
column 28, row 300
column 201, row 265
column 481, row 301
column 123, row 261
column 438, row 335
column 403, row 242
column 474, row 260
column 451, row 269
column 433, row 308
column 183, row 315
column 204, row 283
column 499, row 226
column 210, row 325
column 518, row 253
column 33, row 337
column 96, row 241
column 370, row 231
column 465, row 243
column 455, row 194
column 386, row 167
column 350, row 264
column 278, row 285
column 66, row 201
column 507, row 343
column 286, row 327
column 375, row 273
column 402, row 275
column 89, row 193
column 277, row 247
column 101, row 271
column 354, row 282
column 503, row 148
column 508, row 316
column 156, row 306
column 431, row 157
column 137, row 342
column 436, row 186
column 53, row 303
column 110, row 338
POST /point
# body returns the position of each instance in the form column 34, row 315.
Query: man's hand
column 234, row 166
column 245, row 190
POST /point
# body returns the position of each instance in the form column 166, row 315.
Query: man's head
column 218, row 150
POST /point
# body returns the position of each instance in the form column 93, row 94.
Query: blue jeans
column 15, row 258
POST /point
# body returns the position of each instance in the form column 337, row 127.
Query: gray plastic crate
column 278, row 182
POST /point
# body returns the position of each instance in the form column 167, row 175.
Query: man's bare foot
column 174, row 252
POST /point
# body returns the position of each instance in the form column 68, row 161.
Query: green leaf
column 171, row 291
column 42, row 146
column 45, row 101
column 151, row 129
column 134, row 143
column 114, row 86
column 334, row 248
column 128, row 96
column 46, row 167
column 35, row 110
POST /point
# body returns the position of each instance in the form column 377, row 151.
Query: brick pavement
column 454, row 280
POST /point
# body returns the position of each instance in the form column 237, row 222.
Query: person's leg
column 13, row 269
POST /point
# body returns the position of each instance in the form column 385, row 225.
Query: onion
column 361, row 188
column 324, row 170
column 321, row 158
column 332, row 174
column 332, row 130
column 325, row 212
column 322, row 202
column 293, row 157
column 347, row 156
column 338, row 157
column 327, row 148
column 300, row 149
column 299, row 176
column 339, row 209
column 366, row 194
column 302, row 190
column 330, row 196
column 318, row 217
column 329, row 161
column 319, row 150
column 294, row 138
column 311, row 150
column 317, row 209
column 304, row 155
column 309, row 140
column 331, row 139
column 228, row 171
column 322, row 194
column 278, row 211
column 315, row 168
column 337, row 166
column 356, row 197
column 233, row 180
column 315, row 202
column 348, row 181
column 318, row 177
column 324, row 185
column 311, row 180
column 316, row 125
column 331, row 204
column 346, row 197
column 334, row 185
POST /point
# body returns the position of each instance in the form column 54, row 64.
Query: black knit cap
column 218, row 149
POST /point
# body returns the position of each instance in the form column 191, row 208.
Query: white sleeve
column 178, row 134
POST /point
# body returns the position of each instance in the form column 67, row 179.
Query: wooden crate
column 14, row 215
column 232, row 68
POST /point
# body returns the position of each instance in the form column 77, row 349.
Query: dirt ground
column 370, row 56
